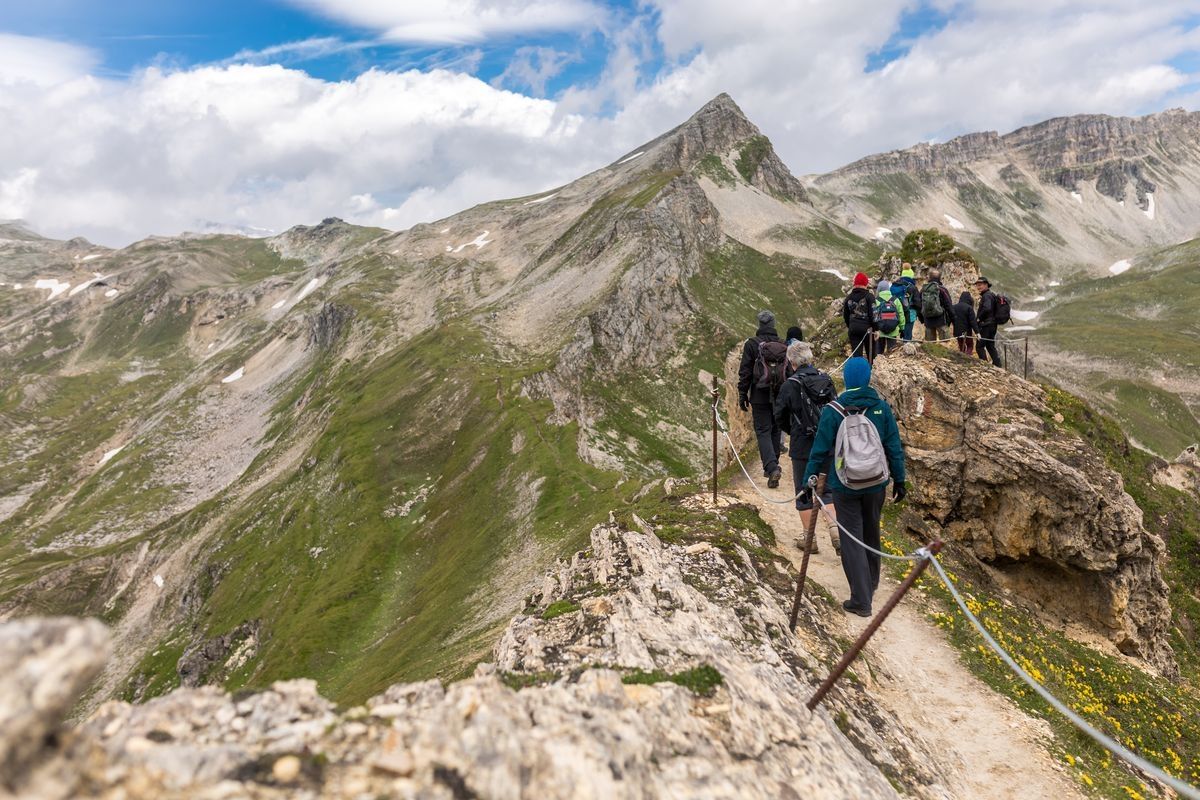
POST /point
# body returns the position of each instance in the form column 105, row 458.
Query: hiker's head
column 800, row 354
column 935, row 274
column 982, row 284
column 906, row 270
column 857, row 373
column 861, row 280
column 766, row 318
column 965, row 297
column 883, row 286
column 794, row 332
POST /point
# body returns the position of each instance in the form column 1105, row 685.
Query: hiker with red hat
column 857, row 312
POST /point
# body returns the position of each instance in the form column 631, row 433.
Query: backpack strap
column 838, row 407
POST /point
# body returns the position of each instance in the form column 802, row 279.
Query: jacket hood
column 965, row 297
column 767, row 330
column 863, row 397
column 886, row 294
column 908, row 273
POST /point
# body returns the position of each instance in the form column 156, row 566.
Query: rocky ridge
column 629, row 606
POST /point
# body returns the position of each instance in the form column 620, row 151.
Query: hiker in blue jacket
column 859, row 510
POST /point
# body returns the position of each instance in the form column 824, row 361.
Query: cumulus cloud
column 260, row 145
column 531, row 67
column 460, row 21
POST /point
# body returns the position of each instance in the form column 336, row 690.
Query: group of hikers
column 852, row 437
column 876, row 322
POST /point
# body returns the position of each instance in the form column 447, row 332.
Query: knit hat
column 857, row 373
column 907, row 272
column 794, row 332
column 860, row 279
column 884, row 285
column 766, row 317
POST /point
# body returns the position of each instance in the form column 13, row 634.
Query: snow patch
column 1024, row 316
column 881, row 233
column 632, row 157
column 111, row 293
column 1041, row 298
column 479, row 241
column 236, row 375
column 92, row 257
column 1055, row 283
column 1016, row 328
column 954, row 223
column 836, row 273
column 443, row 231
column 1149, row 211
column 97, row 279
column 308, row 289
column 1121, row 203
column 104, row 459
column 278, row 304
column 542, row 199
column 158, row 581
column 56, row 287
column 1077, row 197
column 16, row 286
column 1120, row 266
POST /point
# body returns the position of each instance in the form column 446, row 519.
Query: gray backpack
column 858, row 455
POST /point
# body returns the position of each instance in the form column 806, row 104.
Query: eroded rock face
column 577, row 731
column 993, row 472
column 1183, row 473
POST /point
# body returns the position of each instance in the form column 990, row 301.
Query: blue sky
column 130, row 117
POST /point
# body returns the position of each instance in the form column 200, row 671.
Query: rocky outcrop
column 45, row 665
column 650, row 670
column 1183, row 473
column 993, row 471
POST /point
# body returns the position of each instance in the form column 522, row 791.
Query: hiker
column 888, row 318
column 987, row 320
column 865, row 459
column 794, row 334
column 935, row 309
column 966, row 327
column 798, row 410
column 762, row 372
column 856, row 313
column 905, row 290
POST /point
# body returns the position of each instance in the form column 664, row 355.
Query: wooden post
column 808, row 540
column 716, row 394
column 1026, row 358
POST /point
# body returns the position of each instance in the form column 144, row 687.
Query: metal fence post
column 808, row 540
column 716, row 394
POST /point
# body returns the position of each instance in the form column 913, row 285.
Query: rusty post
column 1026, row 358
column 872, row 626
column 716, row 394
column 808, row 540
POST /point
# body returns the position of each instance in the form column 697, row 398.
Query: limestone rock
column 45, row 664
column 1183, row 473
column 1030, row 499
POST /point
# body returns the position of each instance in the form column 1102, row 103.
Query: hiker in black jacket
column 797, row 411
column 935, row 311
column 987, row 321
column 965, row 324
column 759, row 399
column 857, row 311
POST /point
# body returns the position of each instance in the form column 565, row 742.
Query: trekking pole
column 1026, row 358
column 876, row 621
column 716, row 394
column 808, row 540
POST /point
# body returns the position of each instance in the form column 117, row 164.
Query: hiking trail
column 989, row 748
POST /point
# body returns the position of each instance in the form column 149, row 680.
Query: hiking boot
column 800, row 544
column 836, row 541
column 853, row 609
column 773, row 481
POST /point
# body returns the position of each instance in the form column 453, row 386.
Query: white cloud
column 41, row 62
column 532, row 67
column 460, row 21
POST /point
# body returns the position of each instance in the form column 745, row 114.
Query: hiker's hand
column 743, row 402
column 806, row 497
column 812, row 481
column 899, row 492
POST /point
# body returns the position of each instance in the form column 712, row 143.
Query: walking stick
column 808, row 540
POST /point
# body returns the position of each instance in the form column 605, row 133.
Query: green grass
column 702, row 681
column 850, row 249
column 892, row 192
column 557, row 609
column 714, row 168
column 750, row 155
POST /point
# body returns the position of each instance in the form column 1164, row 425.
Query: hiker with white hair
column 798, row 410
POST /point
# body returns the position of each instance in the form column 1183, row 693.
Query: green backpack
column 931, row 301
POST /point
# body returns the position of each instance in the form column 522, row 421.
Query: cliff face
column 1034, row 502
column 649, row 670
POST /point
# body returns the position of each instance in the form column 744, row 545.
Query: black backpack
column 816, row 391
column 1003, row 310
column 887, row 319
column 770, row 369
column 860, row 309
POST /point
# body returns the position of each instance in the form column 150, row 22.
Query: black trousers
column 860, row 514
column 860, row 343
column 770, row 438
column 987, row 344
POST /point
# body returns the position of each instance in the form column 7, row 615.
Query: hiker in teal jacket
column 859, row 510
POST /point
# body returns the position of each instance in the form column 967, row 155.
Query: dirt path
column 990, row 748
